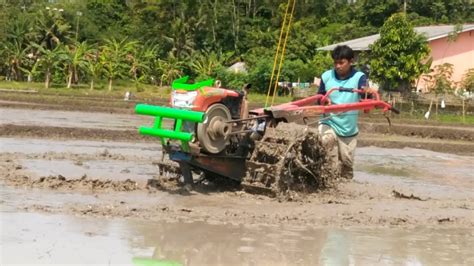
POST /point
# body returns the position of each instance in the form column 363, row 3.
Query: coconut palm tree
column 181, row 38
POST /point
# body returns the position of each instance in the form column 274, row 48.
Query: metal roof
column 431, row 33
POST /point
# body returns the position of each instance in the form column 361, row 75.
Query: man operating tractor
column 339, row 131
column 273, row 148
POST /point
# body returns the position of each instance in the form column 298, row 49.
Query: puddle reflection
column 204, row 244
column 39, row 238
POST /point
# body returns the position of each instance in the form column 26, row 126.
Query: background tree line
column 154, row 42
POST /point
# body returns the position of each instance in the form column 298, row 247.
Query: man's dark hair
column 342, row 52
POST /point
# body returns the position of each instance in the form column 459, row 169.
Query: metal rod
column 240, row 132
column 246, row 119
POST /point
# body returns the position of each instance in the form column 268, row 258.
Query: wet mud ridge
column 10, row 130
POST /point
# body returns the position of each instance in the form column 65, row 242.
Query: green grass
column 100, row 89
column 453, row 118
column 261, row 98
column 446, row 118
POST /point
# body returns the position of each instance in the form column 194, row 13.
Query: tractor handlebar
column 395, row 110
column 325, row 99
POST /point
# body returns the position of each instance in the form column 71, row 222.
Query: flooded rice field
column 91, row 200
column 31, row 238
column 405, row 206
column 71, row 119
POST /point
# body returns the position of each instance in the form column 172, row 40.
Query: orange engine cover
column 201, row 99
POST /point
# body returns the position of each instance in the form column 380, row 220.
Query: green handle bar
column 145, row 109
column 178, row 115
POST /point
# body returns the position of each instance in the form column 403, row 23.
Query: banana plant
column 170, row 69
column 205, row 63
column 48, row 59
column 93, row 66
column 141, row 62
column 113, row 58
column 76, row 60
column 14, row 54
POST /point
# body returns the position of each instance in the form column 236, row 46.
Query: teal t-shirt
column 344, row 124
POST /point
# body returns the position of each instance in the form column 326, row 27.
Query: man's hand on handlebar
column 370, row 90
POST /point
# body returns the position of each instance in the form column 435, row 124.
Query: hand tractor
column 276, row 149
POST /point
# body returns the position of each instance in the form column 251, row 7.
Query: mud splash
column 289, row 158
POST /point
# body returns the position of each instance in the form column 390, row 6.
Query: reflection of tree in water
column 200, row 243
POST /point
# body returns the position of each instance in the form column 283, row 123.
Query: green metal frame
column 178, row 115
column 180, row 84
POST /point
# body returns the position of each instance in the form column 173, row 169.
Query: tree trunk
column 69, row 79
column 234, row 23
column 92, row 84
column 110, row 84
column 46, row 82
column 404, row 88
column 14, row 73
column 214, row 20
column 76, row 76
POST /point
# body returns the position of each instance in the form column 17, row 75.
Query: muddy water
column 40, row 146
column 113, row 227
column 72, row 119
column 30, row 238
column 425, row 173
column 106, row 169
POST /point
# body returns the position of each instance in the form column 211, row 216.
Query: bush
column 467, row 82
column 230, row 79
column 442, row 79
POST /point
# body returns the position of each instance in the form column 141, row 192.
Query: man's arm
column 363, row 82
column 364, row 85
column 322, row 87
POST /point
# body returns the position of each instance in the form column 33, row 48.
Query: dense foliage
column 400, row 55
column 78, row 41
